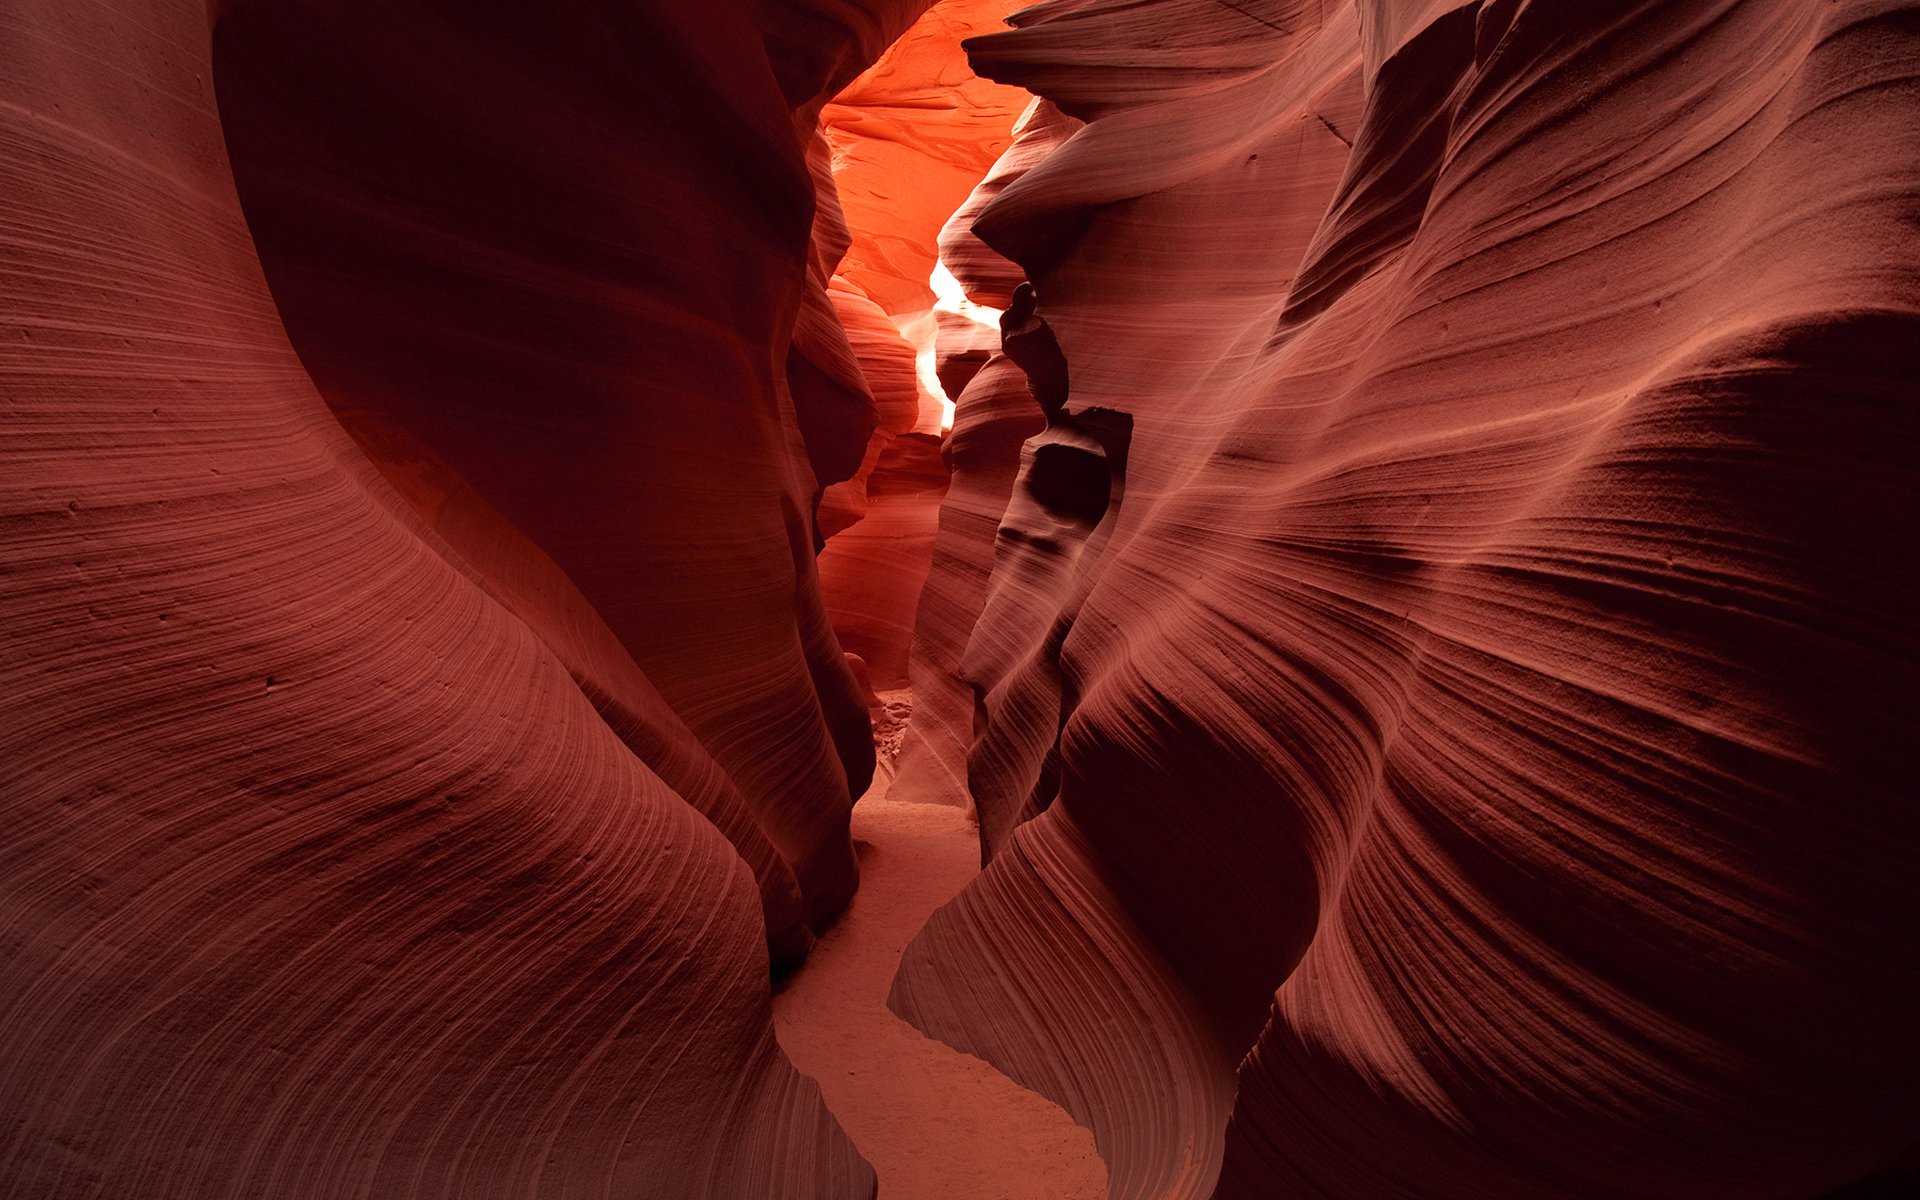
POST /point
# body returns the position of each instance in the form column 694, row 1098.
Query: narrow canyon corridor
column 959, row 600
column 935, row 1123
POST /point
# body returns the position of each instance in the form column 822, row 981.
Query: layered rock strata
column 994, row 413
column 910, row 138
column 415, row 727
column 1464, row 754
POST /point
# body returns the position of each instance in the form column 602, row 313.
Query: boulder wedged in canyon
column 910, row 138
column 350, row 782
column 1481, row 719
column 994, row 414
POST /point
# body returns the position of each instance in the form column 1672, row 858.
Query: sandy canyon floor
column 935, row 1123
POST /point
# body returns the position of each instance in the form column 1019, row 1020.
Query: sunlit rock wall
column 910, row 139
column 1444, row 676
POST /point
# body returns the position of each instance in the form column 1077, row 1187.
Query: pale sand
column 935, row 1123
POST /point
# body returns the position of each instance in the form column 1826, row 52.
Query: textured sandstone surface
column 1416, row 616
column 935, row 1123
column 873, row 571
column 993, row 415
column 1440, row 690
column 909, row 140
column 578, row 318
column 368, row 799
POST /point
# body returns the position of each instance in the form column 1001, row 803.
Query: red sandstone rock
column 910, row 138
column 347, row 784
column 1424, row 635
column 1478, row 712
column 993, row 415
column 576, row 345
column 840, row 395
column 868, row 572
column 886, row 360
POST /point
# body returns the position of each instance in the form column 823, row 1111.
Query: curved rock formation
column 873, row 572
column 1477, row 711
column 347, row 781
column 910, row 138
column 577, row 339
column 1420, row 615
column 993, row 415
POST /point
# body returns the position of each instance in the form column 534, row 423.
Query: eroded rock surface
column 1468, row 758
column 910, row 138
column 1420, row 614
column 369, row 799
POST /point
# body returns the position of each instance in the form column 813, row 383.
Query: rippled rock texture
column 1441, row 676
column 909, row 139
column 1421, row 612
column 418, row 714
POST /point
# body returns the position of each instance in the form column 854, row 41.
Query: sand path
column 935, row 1123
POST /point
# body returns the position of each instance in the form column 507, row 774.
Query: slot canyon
column 832, row 599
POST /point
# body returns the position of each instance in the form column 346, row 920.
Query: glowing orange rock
column 911, row 138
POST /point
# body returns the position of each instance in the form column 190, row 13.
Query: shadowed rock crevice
column 1427, row 738
column 1411, row 603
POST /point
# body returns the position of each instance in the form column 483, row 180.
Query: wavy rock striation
column 994, row 413
column 361, row 793
column 910, row 138
column 1451, row 744
column 576, row 317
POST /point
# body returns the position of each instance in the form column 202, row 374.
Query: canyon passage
column 832, row 599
